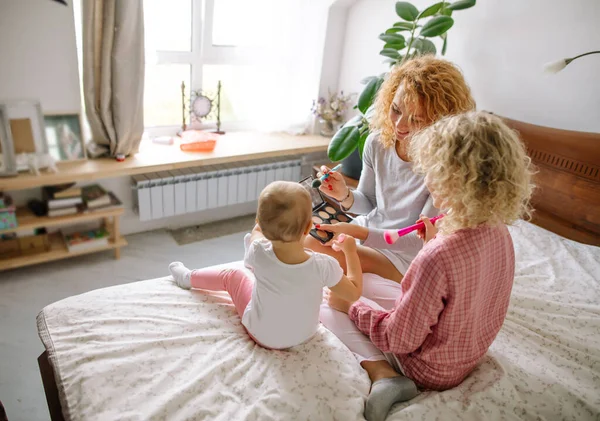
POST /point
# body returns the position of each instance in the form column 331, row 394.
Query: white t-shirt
column 284, row 308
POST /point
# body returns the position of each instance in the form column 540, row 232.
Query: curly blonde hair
column 478, row 167
column 436, row 85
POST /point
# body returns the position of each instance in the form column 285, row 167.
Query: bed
column 149, row 350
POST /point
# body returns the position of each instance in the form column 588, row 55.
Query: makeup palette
column 323, row 212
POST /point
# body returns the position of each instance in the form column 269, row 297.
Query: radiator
column 168, row 193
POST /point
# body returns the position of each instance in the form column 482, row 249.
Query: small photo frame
column 26, row 124
column 64, row 137
column 8, row 164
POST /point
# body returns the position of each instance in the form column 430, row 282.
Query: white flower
column 555, row 66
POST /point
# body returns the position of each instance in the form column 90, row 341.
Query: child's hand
column 335, row 302
column 355, row 231
column 345, row 243
column 334, row 185
column 428, row 232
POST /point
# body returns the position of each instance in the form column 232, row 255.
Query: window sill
column 232, row 147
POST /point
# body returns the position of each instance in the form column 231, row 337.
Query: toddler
column 279, row 305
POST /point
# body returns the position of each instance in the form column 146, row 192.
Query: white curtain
column 283, row 78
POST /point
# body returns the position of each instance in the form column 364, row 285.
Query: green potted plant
column 412, row 36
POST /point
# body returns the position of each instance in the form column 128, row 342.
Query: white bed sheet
column 149, row 351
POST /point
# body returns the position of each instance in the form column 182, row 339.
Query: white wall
column 38, row 54
column 501, row 46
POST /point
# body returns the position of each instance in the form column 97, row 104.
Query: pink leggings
column 235, row 281
column 379, row 293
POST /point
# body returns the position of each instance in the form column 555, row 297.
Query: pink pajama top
column 454, row 299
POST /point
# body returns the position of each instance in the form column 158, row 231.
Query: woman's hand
column 354, row 230
column 334, row 185
column 335, row 302
column 428, row 232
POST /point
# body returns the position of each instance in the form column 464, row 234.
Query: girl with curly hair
column 437, row 324
column 414, row 95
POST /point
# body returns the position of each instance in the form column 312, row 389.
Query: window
column 266, row 53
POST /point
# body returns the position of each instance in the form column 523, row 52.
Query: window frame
column 203, row 52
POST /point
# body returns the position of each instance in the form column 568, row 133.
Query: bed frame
column 567, row 198
column 566, row 201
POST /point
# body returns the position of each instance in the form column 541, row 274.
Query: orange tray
column 198, row 141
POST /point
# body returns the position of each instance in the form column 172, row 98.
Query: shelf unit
column 58, row 249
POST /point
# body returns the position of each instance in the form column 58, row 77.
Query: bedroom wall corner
column 38, row 54
column 501, row 46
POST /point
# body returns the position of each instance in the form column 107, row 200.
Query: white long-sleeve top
column 390, row 196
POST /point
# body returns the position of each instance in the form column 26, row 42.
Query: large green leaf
column 389, row 52
column 395, row 30
column 431, row 10
column 424, row 46
column 361, row 142
column 367, row 79
column 392, row 38
column 370, row 113
column 446, row 12
column 343, row 143
column 461, row 4
column 354, row 121
column 427, row 47
column 367, row 96
column 396, row 47
column 437, row 26
column 406, row 10
column 404, row 26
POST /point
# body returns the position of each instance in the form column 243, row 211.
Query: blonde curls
column 436, row 85
column 478, row 167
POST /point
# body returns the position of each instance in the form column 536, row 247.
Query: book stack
column 69, row 200
column 62, row 200
column 95, row 197
column 85, row 240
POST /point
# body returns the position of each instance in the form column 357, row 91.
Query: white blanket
column 151, row 351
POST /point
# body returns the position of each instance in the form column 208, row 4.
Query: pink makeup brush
column 391, row 236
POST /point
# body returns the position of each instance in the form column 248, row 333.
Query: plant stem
column 412, row 37
column 581, row 55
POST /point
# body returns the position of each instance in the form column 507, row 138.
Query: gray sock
column 181, row 275
column 387, row 392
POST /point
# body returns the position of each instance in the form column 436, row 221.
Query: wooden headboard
column 567, row 198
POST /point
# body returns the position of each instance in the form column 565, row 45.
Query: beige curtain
column 113, row 73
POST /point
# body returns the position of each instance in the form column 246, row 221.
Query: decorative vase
column 327, row 128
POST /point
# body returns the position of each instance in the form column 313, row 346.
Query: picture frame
column 26, row 124
column 64, row 136
column 8, row 164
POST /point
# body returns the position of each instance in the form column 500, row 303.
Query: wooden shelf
column 27, row 220
column 58, row 250
column 232, row 147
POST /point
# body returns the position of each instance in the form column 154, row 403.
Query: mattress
column 151, row 351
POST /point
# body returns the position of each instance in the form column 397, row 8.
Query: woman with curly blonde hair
column 414, row 95
column 454, row 297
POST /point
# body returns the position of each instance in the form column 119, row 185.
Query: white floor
column 24, row 292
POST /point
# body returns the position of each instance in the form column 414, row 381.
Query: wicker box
column 9, row 248
column 34, row 244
